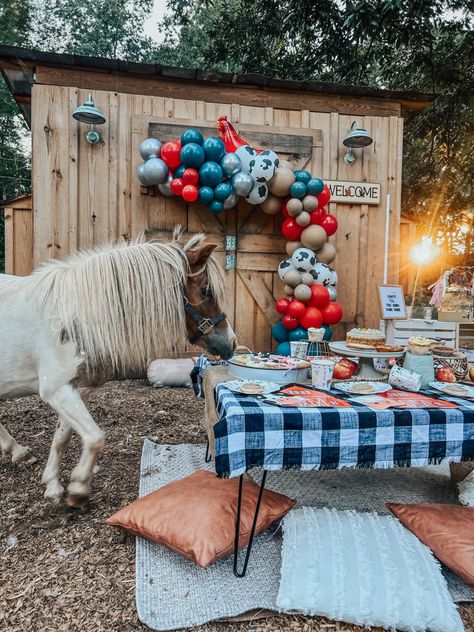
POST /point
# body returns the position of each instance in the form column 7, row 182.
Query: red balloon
column 170, row 153
column 317, row 216
column 190, row 176
column 332, row 313
column 284, row 211
column 319, row 296
column 190, row 193
column 296, row 309
column 177, row 186
column 291, row 230
column 312, row 318
column 282, row 305
column 323, row 197
column 289, row 322
column 329, row 223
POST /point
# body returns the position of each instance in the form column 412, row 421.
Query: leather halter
column 204, row 324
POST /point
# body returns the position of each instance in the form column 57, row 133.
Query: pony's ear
column 200, row 255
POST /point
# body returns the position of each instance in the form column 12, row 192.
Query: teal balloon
column 283, row 348
column 298, row 190
column 216, row 206
column 222, row 191
column 214, row 148
column 315, row 186
column 300, row 333
column 192, row 155
column 206, row 195
column 191, row 136
column 302, row 176
column 179, row 171
column 210, row 174
column 328, row 333
column 280, row 332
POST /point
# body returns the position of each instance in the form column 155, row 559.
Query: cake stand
column 366, row 370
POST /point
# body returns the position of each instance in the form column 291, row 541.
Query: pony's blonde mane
column 122, row 304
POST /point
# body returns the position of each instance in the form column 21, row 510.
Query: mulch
column 66, row 570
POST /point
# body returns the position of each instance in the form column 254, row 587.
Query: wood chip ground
column 67, row 571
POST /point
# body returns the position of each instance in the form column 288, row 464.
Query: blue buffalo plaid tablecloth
column 253, row 433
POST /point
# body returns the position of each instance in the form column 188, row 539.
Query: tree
column 398, row 44
column 15, row 176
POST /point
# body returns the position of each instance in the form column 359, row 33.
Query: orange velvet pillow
column 448, row 530
column 196, row 515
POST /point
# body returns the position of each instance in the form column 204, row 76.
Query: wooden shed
column 86, row 194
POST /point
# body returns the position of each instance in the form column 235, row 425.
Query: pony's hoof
column 77, row 502
column 19, row 452
column 54, row 492
column 77, row 495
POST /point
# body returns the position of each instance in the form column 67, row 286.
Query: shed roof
column 18, row 67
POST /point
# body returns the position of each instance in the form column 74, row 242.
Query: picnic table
column 245, row 432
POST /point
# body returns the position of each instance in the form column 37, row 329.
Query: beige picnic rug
column 173, row 593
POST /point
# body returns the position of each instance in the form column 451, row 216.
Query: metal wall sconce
column 356, row 138
column 88, row 113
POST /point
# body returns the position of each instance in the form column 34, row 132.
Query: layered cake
column 364, row 337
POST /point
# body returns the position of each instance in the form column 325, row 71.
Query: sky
column 151, row 25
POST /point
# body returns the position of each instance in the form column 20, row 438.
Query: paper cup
column 299, row 348
column 316, row 335
column 321, row 373
column 404, row 378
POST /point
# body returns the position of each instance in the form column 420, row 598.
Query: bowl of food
column 266, row 366
column 418, row 345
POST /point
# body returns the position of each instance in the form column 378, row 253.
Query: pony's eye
column 206, row 292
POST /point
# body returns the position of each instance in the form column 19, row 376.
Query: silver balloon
column 150, row 148
column 155, row 171
column 332, row 293
column 231, row 201
column 231, row 164
column 166, row 188
column 242, row 183
column 141, row 175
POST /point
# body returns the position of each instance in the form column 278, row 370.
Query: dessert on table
column 362, row 338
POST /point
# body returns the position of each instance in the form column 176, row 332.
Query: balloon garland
column 217, row 172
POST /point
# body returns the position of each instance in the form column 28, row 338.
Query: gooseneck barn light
column 356, row 138
column 90, row 114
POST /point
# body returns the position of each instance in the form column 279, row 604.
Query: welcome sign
column 354, row 192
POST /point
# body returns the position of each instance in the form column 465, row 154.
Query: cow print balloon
column 284, row 267
column 246, row 154
column 324, row 274
column 303, row 259
column 258, row 194
column 262, row 168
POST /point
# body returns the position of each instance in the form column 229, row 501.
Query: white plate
column 236, row 386
column 441, row 386
column 343, row 349
column 348, row 387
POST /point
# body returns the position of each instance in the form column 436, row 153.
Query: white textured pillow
column 362, row 568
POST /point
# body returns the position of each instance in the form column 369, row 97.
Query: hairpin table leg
column 208, row 457
column 254, row 525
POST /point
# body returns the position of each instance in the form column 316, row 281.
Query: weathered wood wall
column 84, row 195
column 19, row 237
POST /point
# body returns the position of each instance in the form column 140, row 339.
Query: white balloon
column 258, row 194
column 323, row 274
column 246, row 153
column 333, row 277
column 303, row 259
column 262, row 168
column 284, row 267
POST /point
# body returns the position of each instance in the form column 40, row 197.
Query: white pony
column 101, row 314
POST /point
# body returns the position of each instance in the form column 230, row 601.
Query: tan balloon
column 281, row 182
column 307, row 278
column 294, row 207
column 303, row 219
column 272, row 205
column 327, row 254
column 291, row 246
column 292, row 278
column 310, row 203
column 289, row 291
column 302, row 292
column 314, row 237
column 286, row 164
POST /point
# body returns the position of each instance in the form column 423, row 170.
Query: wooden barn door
column 250, row 243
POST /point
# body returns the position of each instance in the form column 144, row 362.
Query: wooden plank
column 257, row 261
column 9, row 241
column 262, row 243
column 23, row 242
column 72, row 208
column 261, row 295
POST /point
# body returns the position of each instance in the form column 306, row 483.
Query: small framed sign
column 392, row 302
